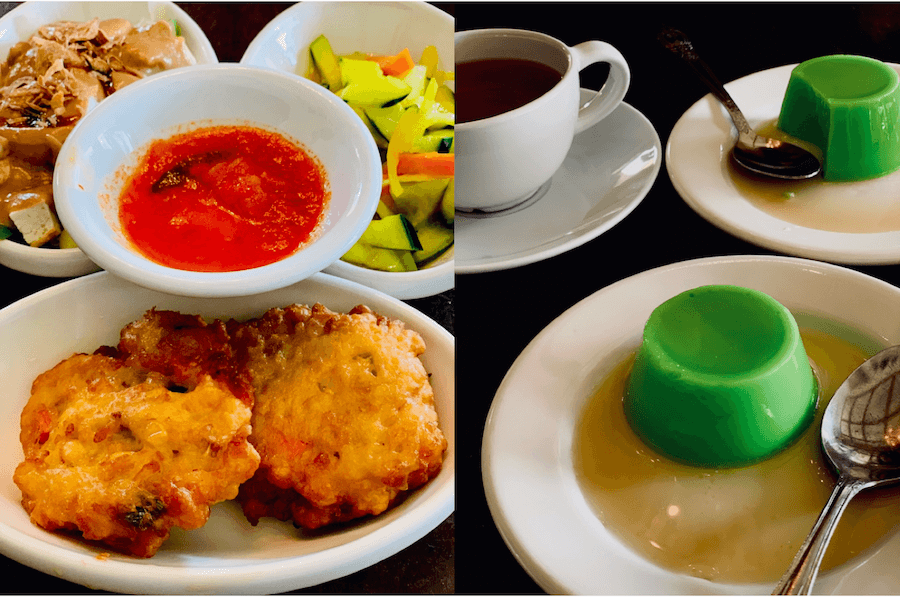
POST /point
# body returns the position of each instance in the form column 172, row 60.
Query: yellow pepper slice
column 409, row 127
column 429, row 60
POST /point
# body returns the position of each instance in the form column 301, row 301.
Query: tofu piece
column 37, row 223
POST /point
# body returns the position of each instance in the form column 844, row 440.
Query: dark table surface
column 499, row 313
column 427, row 566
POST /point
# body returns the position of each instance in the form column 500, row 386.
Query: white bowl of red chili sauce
column 55, row 257
column 218, row 180
column 375, row 28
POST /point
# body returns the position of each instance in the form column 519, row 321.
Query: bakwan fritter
column 318, row 417
column 113, row 452
column 184, row 348
column 344, row 418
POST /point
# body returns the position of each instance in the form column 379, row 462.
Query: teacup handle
column 613, row 91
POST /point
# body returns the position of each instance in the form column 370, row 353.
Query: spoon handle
column 676, row 42
column 801, row 575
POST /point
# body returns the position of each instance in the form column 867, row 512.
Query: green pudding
column 848, row 107
column 721, row 378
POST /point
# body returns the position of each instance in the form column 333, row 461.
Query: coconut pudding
column 846, row 110
column 728, row 523
column 848, row 107
column 721, row 378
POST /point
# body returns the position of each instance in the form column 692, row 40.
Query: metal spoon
column 758, row 154
column 861, row 438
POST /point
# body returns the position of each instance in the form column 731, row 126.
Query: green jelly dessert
column 848, row 107
column 721, row 378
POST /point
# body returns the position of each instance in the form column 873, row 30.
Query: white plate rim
column 572, row 241
column 694, row 153
column 79, row 563
column 549, row 528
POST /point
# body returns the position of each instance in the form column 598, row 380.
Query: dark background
column 426, row 566
column 498, row 313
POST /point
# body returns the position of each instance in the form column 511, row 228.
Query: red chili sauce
column 223, row 198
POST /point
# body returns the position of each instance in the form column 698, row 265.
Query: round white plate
column 695, row 154
column 607, row 173
column 227, row 555
column 527, row 462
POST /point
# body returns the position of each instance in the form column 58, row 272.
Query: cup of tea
column 518, row 109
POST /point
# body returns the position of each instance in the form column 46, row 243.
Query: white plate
column 695, row 154
column 378, row 28
column 527, row 462
column 607, row 173
column 227, row 555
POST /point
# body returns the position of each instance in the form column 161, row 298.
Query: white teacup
column 505, row 160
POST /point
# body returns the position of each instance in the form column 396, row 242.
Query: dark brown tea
column 492, row 86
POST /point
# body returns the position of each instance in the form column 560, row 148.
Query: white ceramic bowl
column 112, row 136
column 227, row 555
column 19, row 24
column 372, row 27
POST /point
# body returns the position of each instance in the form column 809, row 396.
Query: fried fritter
column 344, row 417
column 117, row 453
column 184, row 348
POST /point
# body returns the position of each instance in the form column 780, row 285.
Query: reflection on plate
column 533, row 494
column 227, row 555
column 695, row 161
column 606, row 174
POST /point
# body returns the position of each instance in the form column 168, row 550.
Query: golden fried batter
column 113, row 452
column 184, row 348
column 344, row 416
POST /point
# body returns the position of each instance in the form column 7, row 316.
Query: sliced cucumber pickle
column 326, row 63
column 388, row 260
column 392, row 232
column 365, row 85
column 435, row 239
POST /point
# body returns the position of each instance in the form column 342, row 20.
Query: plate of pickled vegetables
column 392, row 64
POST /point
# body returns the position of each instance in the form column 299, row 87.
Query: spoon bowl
column 861, row 439
column 758, row 154
column 775, row 158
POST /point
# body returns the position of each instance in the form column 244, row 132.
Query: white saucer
column 527, row 462
column 608, row 171
column 695, row 155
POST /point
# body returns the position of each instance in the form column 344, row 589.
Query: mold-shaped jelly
column 848, row 107
column 721, row 378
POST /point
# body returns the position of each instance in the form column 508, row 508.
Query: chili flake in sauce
column 223, row 198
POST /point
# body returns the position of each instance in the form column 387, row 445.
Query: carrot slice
column 431, row 163
column 396, row 65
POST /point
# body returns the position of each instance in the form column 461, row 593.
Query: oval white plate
column 695, row 152
column 607, row 173
column 373, row 27
column 532, row 491
column 227, row 555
